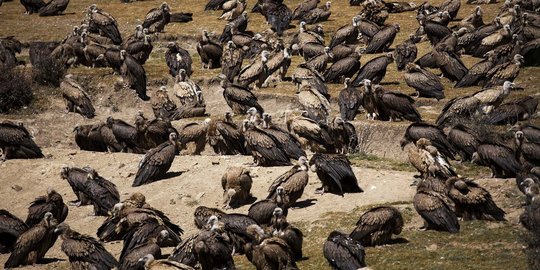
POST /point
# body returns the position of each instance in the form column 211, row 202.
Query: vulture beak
column 313, row 168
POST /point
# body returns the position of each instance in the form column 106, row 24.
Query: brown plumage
column 350, row 99
column 508, row 71
column 162, row 105
column 231, row 61
column 225, row 137
column 473, row 201
column 77, row 178
column 449, row 63
column 202, row 214
column 133, row 74
column 16, row 142
column 526, row 151
column 239, row 98
column 303, row 8
column 257, row 71
column 236, row 183
column 342, row 252
column 313, row 102
column 193, row 137
column 152, row 132
column 11, row 227
column 435, row 207
column 152, row 246
column 291, row 145
column 156, row 162
column 293, row 182
column 424, row 82
column 52, row 203
column 185, row 251
column 265, row 149
column 157, row 18
column 287, row 232
column 396, row 105
column 376, row 226
column 311, row 133
column 319, row 14
column 465, row 140
column 500, row 159
column 77, row 100
column 33, row 244
column 343, row 68
column 101, row 193
column 54, row 8
column 213, row 250
column 270, row 252
column 209, row 51
column 382, row 41
column 346, row 34
column 335, row 173
column 124, row 134
column 263, row 211
column 102, row 22
column 151, row 263
column 84, row 251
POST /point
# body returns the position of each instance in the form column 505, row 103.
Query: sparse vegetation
column 15, row 89
column 48, row 71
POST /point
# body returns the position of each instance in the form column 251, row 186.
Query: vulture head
column 252, row 111
column 278, row 212
column 48, row 219
column 138, row 27
column 347, row 82
column 390, row 56
column 123, row 54
column 148, row 260
column 138, row 199
column 231, row 45
column 163, row 236
column 422, row 143
column 256, row 232
column 245, row 125
column 91, row 173
column 64, row 172
column 171, row 45
column 396, row 27
column 228, row 117
column 227, row 198
column 356, row 21
column 328, row 4
column 100, row 57
column 303, row 163
column 527, row 183
column 475, row 158
column 264, row 56
column 182, row 75
column 147, row 40
column 173, row 138
column 518, row 59
column 302, row 27
column 62, row 228
column 508, row 86
column 367, row 86
column 519, row 137
column 165, row 6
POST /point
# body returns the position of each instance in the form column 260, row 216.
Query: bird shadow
column 169, row 175
column 50, row 260
column 389, row 83
column 305, row 203
column 396, row 241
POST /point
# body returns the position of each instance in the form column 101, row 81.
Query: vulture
column 342, row 252
column 162, row 105
column 473, row 201
column 195, row 135
column 502, row 73
column 319, row 62
column 399, row 7
column 374, row 70
column 526, row 151
column 311, row 133
column 291, row 145
column 100, row 192
column 150, row 263
column 33, row 6
column 103, row 23
column 156, row 19
column 376, row 226
column 435, row 135
column 435, row 31
column 184, row 252
column 345, row 136
column 140, row 49
column 178, row 58
column 185, row 89
column 11, row 227
column 500, row 159
column 319, row 14
column 435, row 208
column 152, row 246
column 77, row 100
column 231, row 61
column 84, row 251
column 214, row 4
column 433, row 162
column 213, row 250
column 531, row 132
column 225, row 137
column 17, row 142
column 490, row 98
column 238, row 25
column 152, row 132
column 279, row 62
column 33, row 244
column 350, row 99
column 264, row 147
column 77, row 178
column 287, row 232
column 263, row 211
column 314, row 103
column 492, row 41
column 90, row 138
column 209, row 51
column 335, row 173
column 343, row 68
column 270, row 252
column 239, row 98
column 236, row 183
column 293, row 182
column 396, row 105
column 405, row 53
column 303, row 8
column 512, row 111
column 133, row 74
column 125, row 135
column 256, row 71
column 346, row 34
column 278, row 15
column 424, row 82
column 382, row 41
column 50, row 203
column 156, row 162
column 449, row 63
column 53, row 8
column 465, row 141
column 477, row 73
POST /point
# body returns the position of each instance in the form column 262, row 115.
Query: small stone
column 199, row 196
column 432, row 247
column 16, row 188
column 130, row 174
column 215, row 162
column 172, row 202
column 122, row 165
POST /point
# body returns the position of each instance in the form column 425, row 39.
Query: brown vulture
column 103, row 23
column 373, row 109
column 335, row 173
column 133, row 74
column 263, row 210
column 33, row 244
column 287, row 232
column 465, row 140
column 257, row 71
column 278, row 15
column 156, row 19
column 162, row 105
column 374, row 69
column 32, row 6
column 152, row 246
column 185, row 251
column 213, row 250
column 185, row 89
column 303, row 8
column 100, row 192
column 396, row 105
column 178, row 58
column 11, row 227
column 203, row 213
column 477, row 73
column 231, row 61
column 512, row 111
column 77, row 100
column 239, row 98
column 349, row 100
column 319, row 14
column 319, row 62
column 500, row 159
column 435, row 31
column 152, row 132
column 150, row 263
column 236, row 183
column 140, row 49
column 473, row 201
column 233, row 226
column 16, row 142
column 236, row 26
column 456, row 109
column 84, row 251
column 125, row 134
column 269, row 252
column 345, row 136
column 492, row 41
column 77, row 178
column 491, row 98
column 376, row 226
column 313, row 102
column 382, row 41
column 225, row 137
column 156, row 162
column 434, row 163
column 342, row 252
column 343, row 68
column 264, row 147
column 310, row 133
column 526, row 151
column 209, row 51
column 346, row 34
column 50, row 203
column 424, row 82
column 435, row 135
column 435, row 208
column 53, row 8
column 531, row 132
column 89, row 138
column 293, row 183
column 193, row 137
column 502, row 73
column 449, row 63
column 291, row 145
column 405, row 53
column 279, row 62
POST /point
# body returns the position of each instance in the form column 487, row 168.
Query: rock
column 432, row 247
column 16, row 188
column 122, row 165
column 199, row 196
column 215, row 162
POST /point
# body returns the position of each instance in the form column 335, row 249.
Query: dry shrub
column 48, row 71
column 15, row 89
